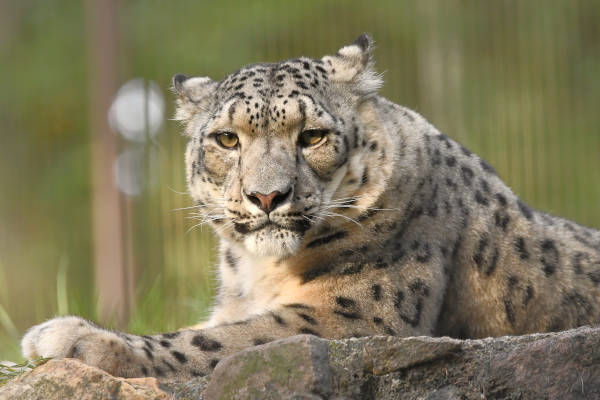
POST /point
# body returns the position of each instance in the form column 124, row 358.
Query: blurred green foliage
column 515, row 81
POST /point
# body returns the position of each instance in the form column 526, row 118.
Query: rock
column 296, row 366
column 71, row 379
column 564, row 365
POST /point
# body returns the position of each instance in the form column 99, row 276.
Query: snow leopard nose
column 268, row 202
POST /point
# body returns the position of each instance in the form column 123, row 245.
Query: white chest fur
column 251, row 285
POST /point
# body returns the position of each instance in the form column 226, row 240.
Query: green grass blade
column 62, row 300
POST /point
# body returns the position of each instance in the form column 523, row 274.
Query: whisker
column 318, row 217
column 207, row 218
column 332, row 214
column 209, row 212
column 361, row 208
column 192, row 228
column 308, row 219
column 198, row 206
column 176, row 191
column 226, row 226
column 346, row 198
column 351, row 198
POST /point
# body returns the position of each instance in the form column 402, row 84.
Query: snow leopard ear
column 354, row 64
column 193, row 94
column 192, row 89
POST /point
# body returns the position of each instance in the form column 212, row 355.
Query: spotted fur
column 383, row 227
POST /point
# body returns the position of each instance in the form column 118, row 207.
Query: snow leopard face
column 273, row 146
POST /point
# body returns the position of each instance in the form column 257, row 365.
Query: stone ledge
column 564, row 365
column 71, row 379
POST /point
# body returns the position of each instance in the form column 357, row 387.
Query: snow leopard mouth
column 297, row 225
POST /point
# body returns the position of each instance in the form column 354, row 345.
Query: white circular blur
column 137, row 110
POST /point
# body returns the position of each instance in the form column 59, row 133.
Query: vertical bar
column 110, row 272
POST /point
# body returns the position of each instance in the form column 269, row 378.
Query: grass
column 9, row 334
column 10, row 371
column 158, row 309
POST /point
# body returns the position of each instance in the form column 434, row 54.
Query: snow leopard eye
column 311, row 137
column 228, row 140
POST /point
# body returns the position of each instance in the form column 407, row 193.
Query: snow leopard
column 341, row 214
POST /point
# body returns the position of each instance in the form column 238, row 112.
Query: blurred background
column 91, row 167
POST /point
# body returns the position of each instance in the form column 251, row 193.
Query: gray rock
column 564, row 365
column 294, row 367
